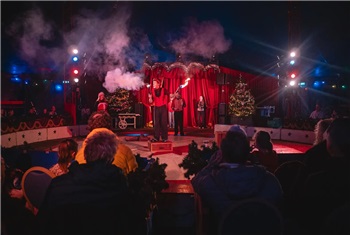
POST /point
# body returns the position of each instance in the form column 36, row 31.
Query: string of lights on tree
column 242, row 102
column 119, row 102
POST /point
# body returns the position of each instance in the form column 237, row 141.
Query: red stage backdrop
column 204, row 82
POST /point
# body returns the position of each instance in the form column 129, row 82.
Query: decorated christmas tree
column 119, row 102
column 242, row 103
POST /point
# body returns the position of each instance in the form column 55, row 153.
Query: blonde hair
column 320, row 129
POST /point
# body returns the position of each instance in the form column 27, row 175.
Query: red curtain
column 203, row 82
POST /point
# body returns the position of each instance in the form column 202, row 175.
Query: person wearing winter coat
column 229, row 178
column 91, row 198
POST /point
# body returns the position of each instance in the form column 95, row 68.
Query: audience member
column 16, row 218
column 329, row 188
column 228, row 178
column 3, row 113
column 53, row 112
column 11, row 114
column 32, row 112
column 45, row 113
column 91, row 198
column 66, row 154
column 320, row 129
column 316, row 158
column 178, row 105
column 124, row 158
column 317, row 113
column 263, row 152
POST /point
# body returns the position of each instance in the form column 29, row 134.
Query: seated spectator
column 328, row 188
column 16, row 218
column 263, row 152
column 102, row 122
column 3, row 113
column 91, row 198
column 66, row 154
column 317, row 157
column 53, row 112
column 317, row 113
column 32, row 112
column 11, row 113
column 228, row 178
column 45, row 113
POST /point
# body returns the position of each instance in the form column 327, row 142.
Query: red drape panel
column 203, row 82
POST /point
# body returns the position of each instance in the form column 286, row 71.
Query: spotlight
column 292, row 62
column 76, row 80
column 292, row 83
column 317, row 84
column 58, row 87
column 75, row 58
column 292, row 54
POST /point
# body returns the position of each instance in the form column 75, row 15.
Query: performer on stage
column 101, row 102
column 178, row 105
column 171, row 112
column 201, row 113
column 159, row 97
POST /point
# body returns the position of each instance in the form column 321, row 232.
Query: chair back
column 35, row 182
column 251, row 216
column 287, row 173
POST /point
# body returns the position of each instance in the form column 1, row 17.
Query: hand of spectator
column 16, row 193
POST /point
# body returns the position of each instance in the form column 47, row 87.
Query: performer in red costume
column 159, row 98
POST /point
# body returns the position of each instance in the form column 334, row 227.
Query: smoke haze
column 111, row 48
column 205, row 39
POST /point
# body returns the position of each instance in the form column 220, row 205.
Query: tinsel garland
column 197, row 158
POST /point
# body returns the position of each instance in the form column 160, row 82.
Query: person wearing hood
column 230, row 178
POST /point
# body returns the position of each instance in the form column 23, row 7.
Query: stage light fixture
column 58, row 87
column 292, row 54
column 76, row 80
column 293, row 75
column 292, row 83
column 292, row 62
column 75, row 58
column 317, row 84
column 302, row 84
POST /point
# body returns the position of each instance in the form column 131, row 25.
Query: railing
column 16, row 124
